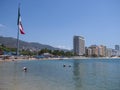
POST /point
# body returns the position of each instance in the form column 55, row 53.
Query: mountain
column 11, row 42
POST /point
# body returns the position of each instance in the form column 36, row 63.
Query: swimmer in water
column 24, row 69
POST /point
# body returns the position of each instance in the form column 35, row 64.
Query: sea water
column 86, row 74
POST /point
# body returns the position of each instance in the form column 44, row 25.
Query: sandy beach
column 18, row 58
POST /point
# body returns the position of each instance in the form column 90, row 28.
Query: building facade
column 102, row 51
column 117, row 47
column 95, row 50
column 79, row 45
column 109, row 52
column 88, row 52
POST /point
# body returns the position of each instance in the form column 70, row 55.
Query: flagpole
column 17, row 53
column 18, row 42
column 20, row 29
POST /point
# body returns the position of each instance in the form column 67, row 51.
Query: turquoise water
column 91, row 74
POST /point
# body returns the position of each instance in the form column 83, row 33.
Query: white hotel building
column 79, row 45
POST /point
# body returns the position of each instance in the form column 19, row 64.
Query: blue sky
column 55, row 22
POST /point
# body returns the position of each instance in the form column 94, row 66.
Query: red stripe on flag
column 21, row 28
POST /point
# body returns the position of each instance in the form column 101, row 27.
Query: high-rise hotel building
column 79, row 45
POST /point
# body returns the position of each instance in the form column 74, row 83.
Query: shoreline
column 30, row 59
column 75, row 58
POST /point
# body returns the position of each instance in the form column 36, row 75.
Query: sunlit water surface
column 91, row 74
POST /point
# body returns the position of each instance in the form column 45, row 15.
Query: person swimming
column 64, row 65
column 25, row 69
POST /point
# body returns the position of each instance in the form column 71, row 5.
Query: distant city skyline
column 80, row 49
column 56, row 22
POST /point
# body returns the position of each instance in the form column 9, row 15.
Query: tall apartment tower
column 79, row 45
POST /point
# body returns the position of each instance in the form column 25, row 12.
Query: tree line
column 37, row 52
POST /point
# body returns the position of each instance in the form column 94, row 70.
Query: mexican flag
column 19, row 23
